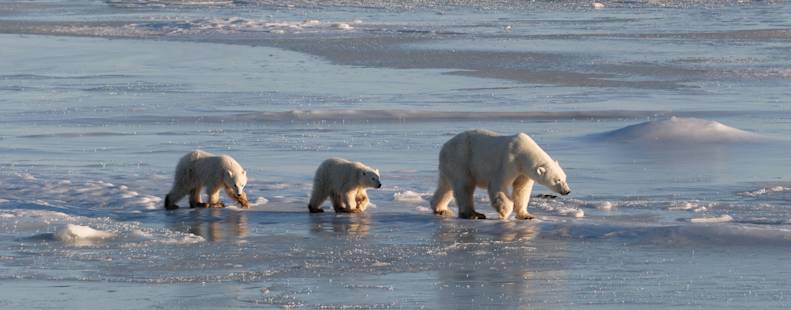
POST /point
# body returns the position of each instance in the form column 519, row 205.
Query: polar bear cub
column 344, row 182
column 199, row 169
column 481, row 158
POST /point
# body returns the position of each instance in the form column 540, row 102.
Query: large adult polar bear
column 481, row 158
column 199, row 169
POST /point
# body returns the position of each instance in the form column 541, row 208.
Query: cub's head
column 236, row 181
column 552, row 176
column 370, row 178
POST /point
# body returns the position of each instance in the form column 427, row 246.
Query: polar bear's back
column 481, row 153
column 336, row 171
column 202, row 165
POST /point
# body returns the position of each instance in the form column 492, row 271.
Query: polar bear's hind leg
column 441, row 198
column 464, row 199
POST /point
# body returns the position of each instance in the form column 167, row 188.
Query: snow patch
column 423, row 209
column 604, row 205
column 80, row 235
column 409, row 197
column 238, row 25
column 690, row 206
column 765, row 191
column 259, row 202
column 570, row 207
column 719, row 219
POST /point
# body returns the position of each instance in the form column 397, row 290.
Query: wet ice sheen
column 690, row 211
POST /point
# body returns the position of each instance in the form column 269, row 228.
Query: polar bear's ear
column 244, row 172
column 229, row 173
column 557, row 162
column 541, row 170
column 377, row 171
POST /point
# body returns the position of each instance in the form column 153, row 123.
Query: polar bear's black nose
column 378, row 185
column 565, row 193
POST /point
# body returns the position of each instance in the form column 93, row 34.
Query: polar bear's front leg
column 241, row 198
column 349, row 201
column 214, row 197
column 361, row 199
column 523, row 187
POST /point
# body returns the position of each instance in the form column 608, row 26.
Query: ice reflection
column 212, row 224
column 340, row 224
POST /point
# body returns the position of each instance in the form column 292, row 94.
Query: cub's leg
column 338, row 203
column 214, row 197
column 349, row 202
column 173, row 197
column 195, row 199
column 361, row 199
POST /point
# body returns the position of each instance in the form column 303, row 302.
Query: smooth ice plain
column 670, row 118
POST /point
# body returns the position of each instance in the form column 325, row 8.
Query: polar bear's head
column 369, row 177
column 236, row 181
column 552, row 176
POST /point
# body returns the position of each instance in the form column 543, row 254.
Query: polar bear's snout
column 564, row 189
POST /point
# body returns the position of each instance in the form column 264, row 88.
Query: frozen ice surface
column 98, row 100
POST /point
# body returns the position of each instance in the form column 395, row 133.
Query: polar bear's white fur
column 481, row 158
column 199, row 169
column 344, row 182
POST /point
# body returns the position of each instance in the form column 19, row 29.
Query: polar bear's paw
column 473, row 216
column 315, row 210
column 199, row 205
column 525, row 216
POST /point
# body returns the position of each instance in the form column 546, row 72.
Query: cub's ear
column 557, row 162
column 229, row 173
column 541, row 170
column 244, row 172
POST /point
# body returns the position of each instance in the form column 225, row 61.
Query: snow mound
column 78, row 234
column 680, row 130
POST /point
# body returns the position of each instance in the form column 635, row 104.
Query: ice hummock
column 686, row 130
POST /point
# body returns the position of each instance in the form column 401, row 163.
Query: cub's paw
column 199, row 205
column 443, row 212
